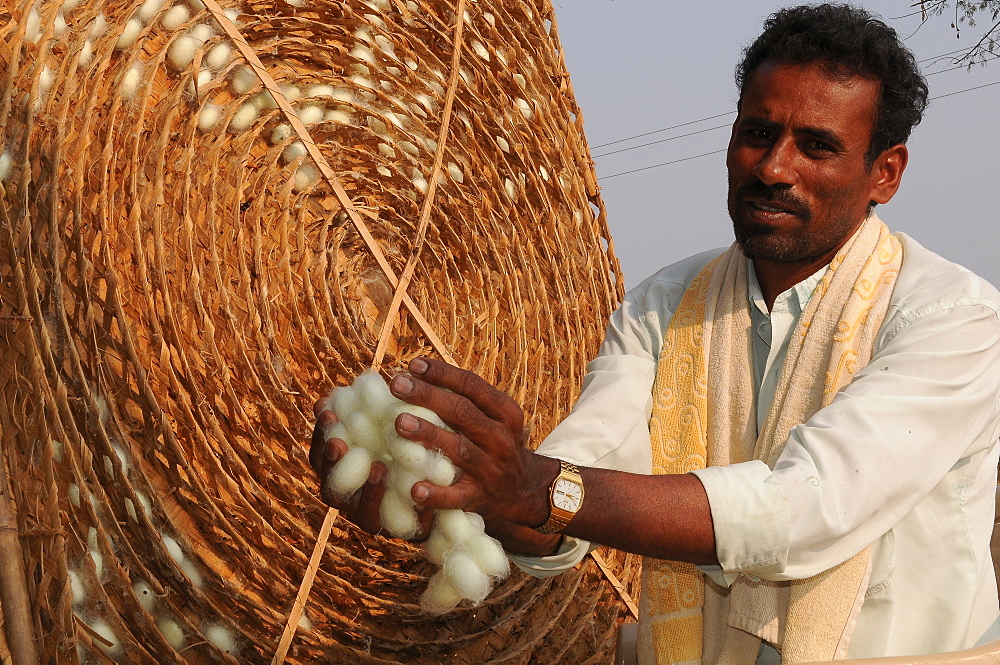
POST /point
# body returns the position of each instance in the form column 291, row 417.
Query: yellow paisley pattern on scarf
column 674, row 590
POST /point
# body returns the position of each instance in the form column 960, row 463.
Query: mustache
column 774, row 194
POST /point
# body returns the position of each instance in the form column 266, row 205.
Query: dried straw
column 171, row 303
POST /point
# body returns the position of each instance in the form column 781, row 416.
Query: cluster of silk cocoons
column 88, row 574
column 470, row 560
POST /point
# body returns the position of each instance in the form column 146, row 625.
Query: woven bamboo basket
column 211, row 215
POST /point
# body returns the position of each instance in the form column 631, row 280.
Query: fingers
column 323, row 452
column 367, row 514
column 454, row 409
column 425, row 516
column 456, row 446
column 319, row 407
column 364, row 507
column 462, row 495
column 457, row 411
column 361, row 508
column 493, row 402
column 318, row 442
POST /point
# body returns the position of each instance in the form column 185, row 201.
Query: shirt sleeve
column 571, row 552
column 609, row 425
column 750, row 519
column 926, row 406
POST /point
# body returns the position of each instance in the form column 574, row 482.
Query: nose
column 776, row 165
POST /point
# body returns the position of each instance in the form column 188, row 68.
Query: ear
column 887, row 172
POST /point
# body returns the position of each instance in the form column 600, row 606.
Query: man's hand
column 667, row 517
column 500, row 478
column 363, row 507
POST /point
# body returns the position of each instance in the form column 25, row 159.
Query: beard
column 782, row 245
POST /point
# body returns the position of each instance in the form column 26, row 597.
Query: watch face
column 567, row 495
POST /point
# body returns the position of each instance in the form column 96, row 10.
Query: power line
column 959, row 92
column 922, row 10
column 951, row 69
column 936, row 57
column 716, row 152
column 670, row 138
column 657, row 131
column 654, row 166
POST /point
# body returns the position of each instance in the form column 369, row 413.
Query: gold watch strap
column 559, row 519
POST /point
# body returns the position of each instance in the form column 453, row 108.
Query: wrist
column 565, row 498
column 517, row 539
column 541, row 472
column 552, row 545
column 543, row 545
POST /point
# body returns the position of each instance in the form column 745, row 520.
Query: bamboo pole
column 13, row 587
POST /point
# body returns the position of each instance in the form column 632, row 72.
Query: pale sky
column 642, row 65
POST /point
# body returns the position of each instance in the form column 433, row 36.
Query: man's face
column 799, row 185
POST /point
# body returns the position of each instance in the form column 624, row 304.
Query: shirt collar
column 793, row 300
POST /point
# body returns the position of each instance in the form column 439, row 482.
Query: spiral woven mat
column 190, row 255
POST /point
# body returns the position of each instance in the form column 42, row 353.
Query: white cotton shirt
column 904, row 459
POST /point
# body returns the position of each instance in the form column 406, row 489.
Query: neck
column 776, row 278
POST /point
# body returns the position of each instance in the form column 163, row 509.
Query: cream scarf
column 703, row 414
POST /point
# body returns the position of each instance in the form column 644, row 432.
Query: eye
column 758, row 135
column 819, row 146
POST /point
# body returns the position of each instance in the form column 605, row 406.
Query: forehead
column 804, row 96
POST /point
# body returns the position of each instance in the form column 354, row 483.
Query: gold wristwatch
column 565, row 498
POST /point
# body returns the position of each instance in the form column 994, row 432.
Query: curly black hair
column 846, row 41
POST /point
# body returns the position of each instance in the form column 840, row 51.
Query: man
column 810, row 417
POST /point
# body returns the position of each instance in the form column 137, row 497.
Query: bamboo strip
column 14, row 599
column 303, row 594
column 632, row 606
column 427, row 208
